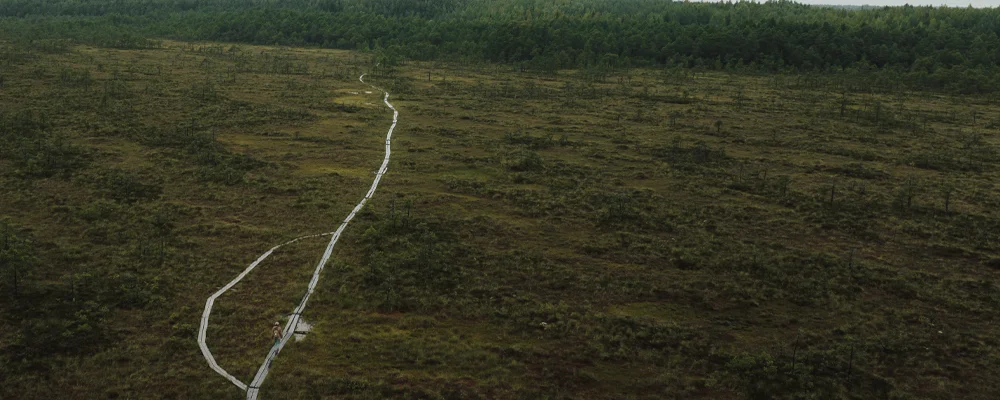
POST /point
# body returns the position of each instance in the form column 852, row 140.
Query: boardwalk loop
column 254, row 387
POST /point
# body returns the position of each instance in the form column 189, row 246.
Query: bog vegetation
column 592, row 199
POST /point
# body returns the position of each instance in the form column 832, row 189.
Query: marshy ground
column 680, row 234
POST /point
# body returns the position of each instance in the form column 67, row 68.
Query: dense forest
column 952, row 49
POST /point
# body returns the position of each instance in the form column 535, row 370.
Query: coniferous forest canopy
column 586, row 199
column 955, row 49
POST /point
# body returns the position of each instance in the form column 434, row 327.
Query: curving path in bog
column 254, row 387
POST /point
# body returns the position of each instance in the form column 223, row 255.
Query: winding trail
column 254, row 387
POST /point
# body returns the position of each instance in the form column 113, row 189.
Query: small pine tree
column 16, row 257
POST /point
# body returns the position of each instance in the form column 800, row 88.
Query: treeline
column 954, row 49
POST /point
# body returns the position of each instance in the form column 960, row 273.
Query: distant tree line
column 955, row 49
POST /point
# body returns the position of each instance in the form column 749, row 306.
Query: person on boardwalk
column 276, row 333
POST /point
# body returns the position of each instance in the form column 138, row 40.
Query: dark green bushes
column 524, row 161
column 410, row 262
column 74, row 78
column 26, row 139
column 215, row 163
column 526, row 139
column 689, row 158
column 127, row 187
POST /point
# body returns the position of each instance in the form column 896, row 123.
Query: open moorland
column 580, row 233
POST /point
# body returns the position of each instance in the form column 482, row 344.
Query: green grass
column 715, row 236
